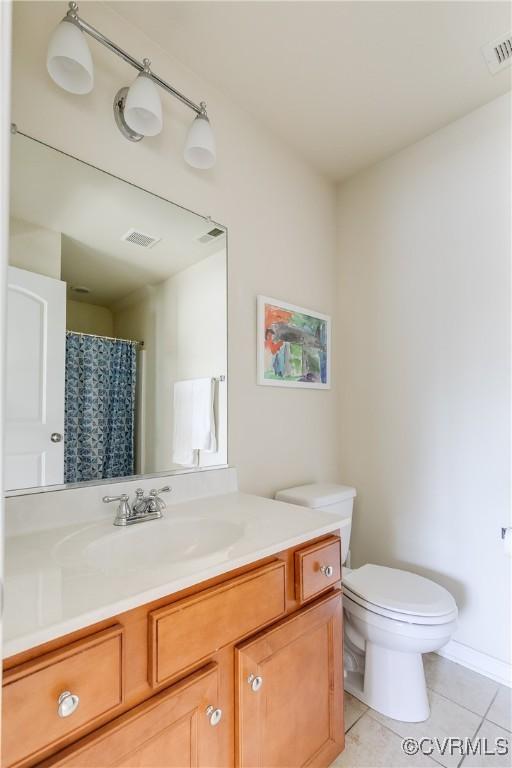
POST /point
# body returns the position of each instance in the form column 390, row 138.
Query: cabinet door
column 171, row 730
column 290, row 690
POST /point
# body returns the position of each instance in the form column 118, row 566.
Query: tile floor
column 463, row 704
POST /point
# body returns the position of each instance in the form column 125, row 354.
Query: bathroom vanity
column 243, row 668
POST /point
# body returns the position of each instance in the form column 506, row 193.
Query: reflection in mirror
column 116, row 336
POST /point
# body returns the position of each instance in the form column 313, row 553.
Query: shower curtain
column 99, row 407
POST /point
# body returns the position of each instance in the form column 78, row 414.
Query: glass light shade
column 200, row 145
column 69, row 60
column 143, row 108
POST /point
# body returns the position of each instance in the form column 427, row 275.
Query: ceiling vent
column 211, row 235
column 498, row 54
column 137, row 237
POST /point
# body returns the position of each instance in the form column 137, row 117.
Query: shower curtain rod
column 107, row 338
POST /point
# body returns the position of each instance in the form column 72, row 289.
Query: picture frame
column 294, row 345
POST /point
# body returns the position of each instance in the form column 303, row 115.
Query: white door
column 35, row 371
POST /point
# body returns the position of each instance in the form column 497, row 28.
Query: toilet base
column 393, row 683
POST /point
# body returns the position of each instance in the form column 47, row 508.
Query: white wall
column 182, row 321
column 83, row 317
column 280, row 216
column 134, row 318
column 424, row 365
column 191, row 342
column 34, row 248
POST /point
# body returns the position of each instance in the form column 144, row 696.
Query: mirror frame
column 167, row 473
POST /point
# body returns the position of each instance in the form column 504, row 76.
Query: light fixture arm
column 72, row 15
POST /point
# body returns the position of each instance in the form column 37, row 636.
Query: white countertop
column 51, row 589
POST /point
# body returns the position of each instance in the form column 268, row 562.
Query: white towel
column 194, row 420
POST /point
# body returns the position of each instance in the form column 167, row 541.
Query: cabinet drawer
column 187, row 632
column 91, row 669
column 317, row 568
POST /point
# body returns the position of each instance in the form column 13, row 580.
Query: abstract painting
column 294, row 345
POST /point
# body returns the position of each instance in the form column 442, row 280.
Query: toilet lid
column 399, row 591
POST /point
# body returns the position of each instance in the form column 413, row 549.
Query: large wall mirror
column 117, row 328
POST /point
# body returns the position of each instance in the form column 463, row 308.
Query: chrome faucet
column 150, row 507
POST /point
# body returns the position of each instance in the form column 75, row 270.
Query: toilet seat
column 399, row 595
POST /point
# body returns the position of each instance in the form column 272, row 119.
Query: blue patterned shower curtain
column 99, row 407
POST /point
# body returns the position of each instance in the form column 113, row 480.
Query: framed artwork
column 294, row 346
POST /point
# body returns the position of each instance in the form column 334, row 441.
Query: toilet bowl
column 391, row 617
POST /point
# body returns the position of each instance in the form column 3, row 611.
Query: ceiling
column 93, row 210
column 344, row 83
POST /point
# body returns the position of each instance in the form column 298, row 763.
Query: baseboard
column 477, row 661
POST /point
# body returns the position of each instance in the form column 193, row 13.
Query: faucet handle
column 155, row 492
column 123, row 511
column 156, row 504
column 122, row 497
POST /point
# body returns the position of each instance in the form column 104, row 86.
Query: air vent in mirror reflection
column 211, row 235
column 498, row 54
column 142, row 239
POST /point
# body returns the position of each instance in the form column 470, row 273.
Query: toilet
column 391, row 617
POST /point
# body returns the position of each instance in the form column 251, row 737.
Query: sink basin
column 148, row 545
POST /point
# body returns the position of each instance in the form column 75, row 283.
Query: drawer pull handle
column 255, row 682
column 213, row 715
column 327, row 570
column 68, row 702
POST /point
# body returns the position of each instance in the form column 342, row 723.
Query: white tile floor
column 463, row 704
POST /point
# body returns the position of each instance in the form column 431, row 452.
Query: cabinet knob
column 56, row 437
column 213, row 715
column 67, row 703
column 327, row 570
column 255, row 682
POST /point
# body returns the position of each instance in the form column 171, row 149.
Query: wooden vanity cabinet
column 290, row 690
column 178, row 660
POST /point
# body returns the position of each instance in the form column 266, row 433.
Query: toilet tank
column 326, row 497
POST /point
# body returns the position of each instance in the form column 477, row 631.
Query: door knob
column 67, row 703
column 327, row 570
column 56, row 437
column 255, row 682
column 213, row 715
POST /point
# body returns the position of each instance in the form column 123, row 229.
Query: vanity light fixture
column 137, row 109
column 143, row 108
column 200, row 143
column 69, row 59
